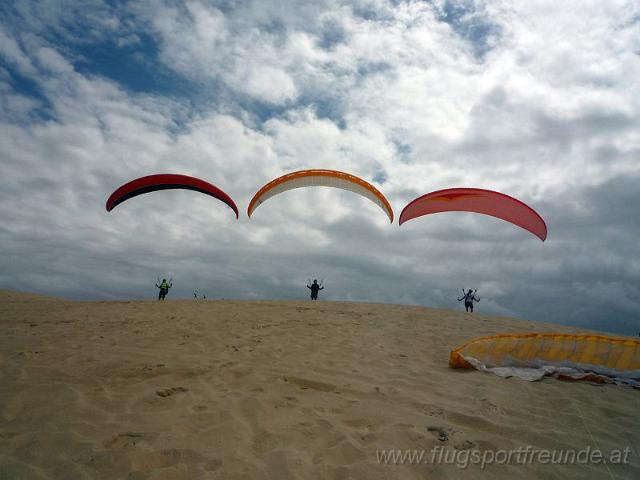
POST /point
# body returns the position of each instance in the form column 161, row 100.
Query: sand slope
column 240, row 390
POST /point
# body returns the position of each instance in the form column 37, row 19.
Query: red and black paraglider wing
column 166, row 181
column 477, row 200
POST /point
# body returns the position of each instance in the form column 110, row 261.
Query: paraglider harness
column 164, row 287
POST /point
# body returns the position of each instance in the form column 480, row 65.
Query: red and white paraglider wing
column 166, row 181
column 320, row 178
column 477, row 200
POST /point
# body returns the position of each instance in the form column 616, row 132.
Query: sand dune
column 239, row 390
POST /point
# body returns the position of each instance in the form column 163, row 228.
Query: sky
column 539, row 100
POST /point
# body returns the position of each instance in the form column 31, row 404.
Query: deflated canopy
column 598, row 358
column 320, row 178
column 477, row 200
column 166, row 181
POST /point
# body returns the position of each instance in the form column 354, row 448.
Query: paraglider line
column 591, row 435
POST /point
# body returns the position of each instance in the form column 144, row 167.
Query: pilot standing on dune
column 469, row 298
column 315, row 288
column 164, row 288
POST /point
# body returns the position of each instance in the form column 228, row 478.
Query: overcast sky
column 539, row 100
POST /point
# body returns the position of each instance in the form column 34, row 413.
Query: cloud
column 537, row 102
column 13, row 54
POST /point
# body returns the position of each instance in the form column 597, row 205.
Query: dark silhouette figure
column 469, row 298
column 164, row 288
column 315, row 288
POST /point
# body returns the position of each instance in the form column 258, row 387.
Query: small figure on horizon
column 315, row 288
column 469, row 298
column 195, row 296
column 164, row 288
column 204, row 297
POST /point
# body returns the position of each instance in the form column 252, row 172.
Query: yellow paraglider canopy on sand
column 531, row 356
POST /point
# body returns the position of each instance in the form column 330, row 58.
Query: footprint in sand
column 466, row 445
column 130, row 439
column 150, row 368
column 439, row 432
column 357, row 422
column 488, row 406
column 29, row 353
column 305, row 384
column 432, row 410
column 167, row 392
column 166, row 459
column 398, row 355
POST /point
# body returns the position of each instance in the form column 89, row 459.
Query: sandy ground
column 241, row 390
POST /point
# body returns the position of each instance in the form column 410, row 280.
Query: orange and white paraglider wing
column 477, row 200
column 320, row 178
column 166, row 181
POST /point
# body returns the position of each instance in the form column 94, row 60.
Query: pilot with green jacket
column 164, row 288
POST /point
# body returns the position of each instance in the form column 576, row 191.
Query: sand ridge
column 275, row 389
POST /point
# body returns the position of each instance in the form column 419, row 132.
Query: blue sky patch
column 475, row 28
column 29, row 88
column 134, row 67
